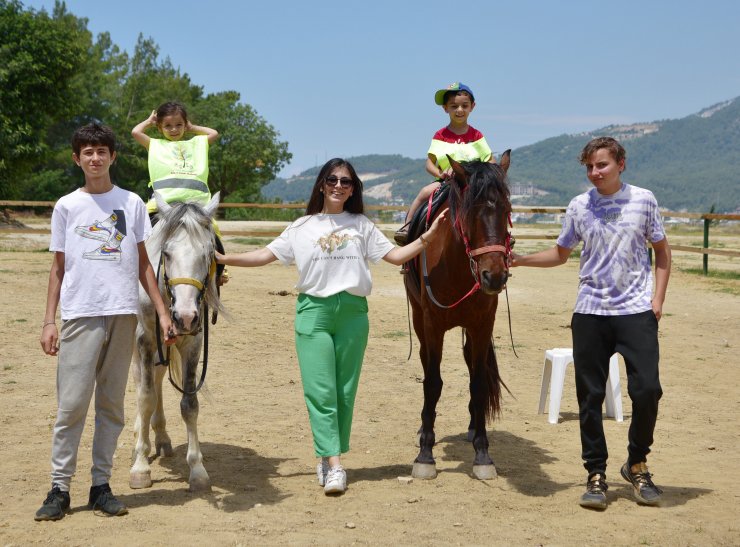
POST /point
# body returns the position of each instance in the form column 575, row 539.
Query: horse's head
column 186, row 239
column 481, row 212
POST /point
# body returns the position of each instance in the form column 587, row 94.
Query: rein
column 201, row 286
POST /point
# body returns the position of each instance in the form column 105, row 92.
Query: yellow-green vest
column 468, row 151
column 178, row 170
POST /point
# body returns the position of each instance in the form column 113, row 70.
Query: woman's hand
column 432, row 232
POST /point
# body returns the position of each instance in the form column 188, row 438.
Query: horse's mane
column 190, row 217
column 199, row 228
column 486, row 183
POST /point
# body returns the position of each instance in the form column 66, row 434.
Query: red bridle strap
column 489, row 249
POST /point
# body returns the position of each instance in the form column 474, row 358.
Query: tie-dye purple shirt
column 615, row 276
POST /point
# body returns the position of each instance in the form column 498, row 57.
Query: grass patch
column 395, row 334
column 17, row 250
column 714, row 274
column 729, row 290
column 251, row 240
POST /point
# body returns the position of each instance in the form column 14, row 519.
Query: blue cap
column 439, row 96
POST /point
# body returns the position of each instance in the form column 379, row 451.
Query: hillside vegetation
column 692, row 163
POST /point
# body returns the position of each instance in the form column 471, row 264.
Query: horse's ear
column 210, row 209
column 505, row 160
column 162, row 205
column 461, row 176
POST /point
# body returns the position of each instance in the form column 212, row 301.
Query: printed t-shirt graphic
column 110, row 231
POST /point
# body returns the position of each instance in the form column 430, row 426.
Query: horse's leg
column 481, row 358
column 199, row 480
column 140, row 475
column 431, row 358
column 162, row 441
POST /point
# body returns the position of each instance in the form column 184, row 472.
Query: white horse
column 181, row 249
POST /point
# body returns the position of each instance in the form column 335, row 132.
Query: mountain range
column 690, row 164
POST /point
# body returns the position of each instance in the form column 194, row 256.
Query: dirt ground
column 257, row 444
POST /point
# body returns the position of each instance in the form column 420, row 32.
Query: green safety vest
column 178, row 170
column 469, row 151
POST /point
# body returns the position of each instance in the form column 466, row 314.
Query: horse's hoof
column 140, row 480
column 485, row 472
column 424, row 471
column 199, row 486
column 164, row 450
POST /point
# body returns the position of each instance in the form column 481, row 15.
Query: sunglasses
column 345, row 182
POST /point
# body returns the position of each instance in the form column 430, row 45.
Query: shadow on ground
column 240, row 472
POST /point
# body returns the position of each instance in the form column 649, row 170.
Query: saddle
column 418, row 223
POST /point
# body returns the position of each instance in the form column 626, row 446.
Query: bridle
column 202, row 286
column 473, row 257
column 492, row 248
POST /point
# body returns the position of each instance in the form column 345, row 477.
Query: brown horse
column 455, row 283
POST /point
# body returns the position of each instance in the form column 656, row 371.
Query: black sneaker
column 595, row 495
column 104, row 502
column 55, row 505
column 644, row 489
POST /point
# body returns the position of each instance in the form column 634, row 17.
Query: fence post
column 705, row 256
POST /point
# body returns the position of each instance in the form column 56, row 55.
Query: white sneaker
column 322, row 469
column 100, row 230
column 336, row 481
column 104, row 252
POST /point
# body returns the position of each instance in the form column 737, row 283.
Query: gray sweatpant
column 94, row 356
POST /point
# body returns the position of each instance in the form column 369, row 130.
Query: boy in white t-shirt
column 97, row 236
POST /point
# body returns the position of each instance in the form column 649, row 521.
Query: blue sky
column 357, row 77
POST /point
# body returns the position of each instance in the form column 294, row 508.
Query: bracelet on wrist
column 47, row 323
column 424, row 242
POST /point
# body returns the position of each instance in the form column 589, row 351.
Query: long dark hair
column 353, row 205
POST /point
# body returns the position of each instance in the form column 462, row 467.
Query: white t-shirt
column 332, row 253
column 99, row 234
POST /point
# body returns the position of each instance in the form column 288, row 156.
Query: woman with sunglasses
column 332, row 246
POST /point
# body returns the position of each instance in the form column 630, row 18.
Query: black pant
column 595, row 339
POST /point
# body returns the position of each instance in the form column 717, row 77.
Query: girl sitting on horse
column 178, row 167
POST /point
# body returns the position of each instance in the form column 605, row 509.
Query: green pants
column 330, row 339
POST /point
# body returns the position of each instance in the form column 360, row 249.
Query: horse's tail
column 494, row 383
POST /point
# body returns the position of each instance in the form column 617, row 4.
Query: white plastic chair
column 553, row 375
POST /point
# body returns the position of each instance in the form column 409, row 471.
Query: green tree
column 248, row 154
column 39, row 58
column 54, row 77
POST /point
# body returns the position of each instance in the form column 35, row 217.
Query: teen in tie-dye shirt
column 617, row 310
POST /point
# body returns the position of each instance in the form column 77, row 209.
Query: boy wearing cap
column 458, row 140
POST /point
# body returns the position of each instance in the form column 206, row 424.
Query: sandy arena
column 257, row 444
